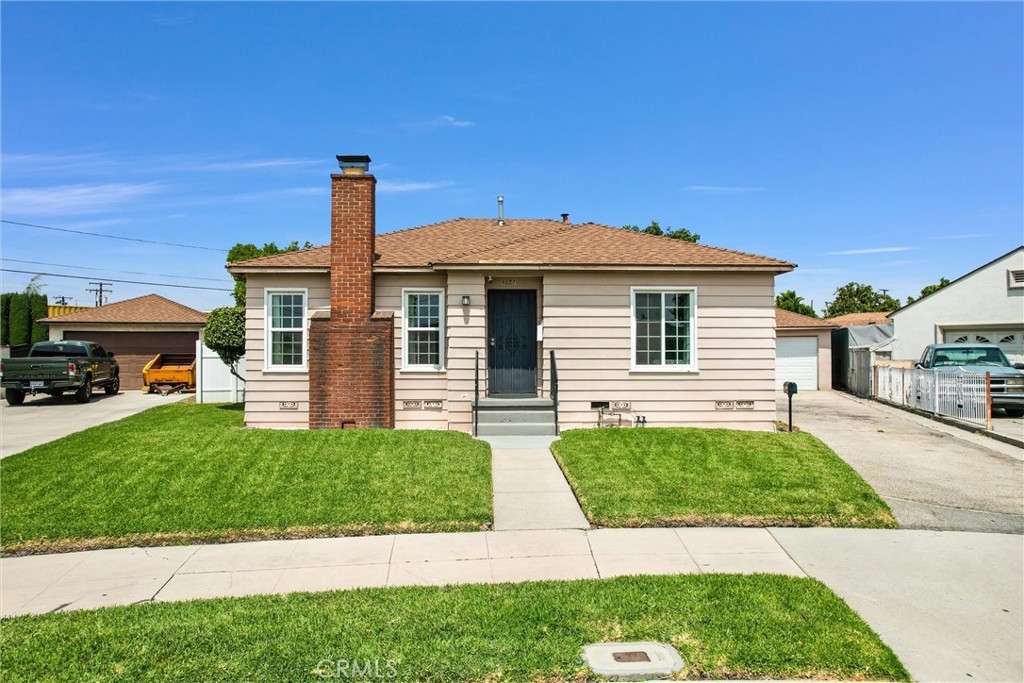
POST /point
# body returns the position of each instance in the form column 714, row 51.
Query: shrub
column 39, row 308
column 225, row 334
column 20, row 319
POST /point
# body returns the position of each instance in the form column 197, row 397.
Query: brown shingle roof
column 481, row 241
column 784, row 318
column 856, row 319
column 151, row 309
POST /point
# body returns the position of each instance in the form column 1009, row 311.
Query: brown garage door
column 133, row 350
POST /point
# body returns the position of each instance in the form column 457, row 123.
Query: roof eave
column 770, row 268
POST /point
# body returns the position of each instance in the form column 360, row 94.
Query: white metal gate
column 214, row 381
column 953, row 393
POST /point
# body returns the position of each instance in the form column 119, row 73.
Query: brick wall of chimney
column 351, row 372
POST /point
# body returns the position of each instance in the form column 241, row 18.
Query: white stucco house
column 986, row 305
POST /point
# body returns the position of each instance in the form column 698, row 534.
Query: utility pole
column 883, row 291
column 100, row 292
column 60, row 300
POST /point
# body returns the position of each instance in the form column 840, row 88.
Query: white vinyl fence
column 953, row 393
column 214, row 381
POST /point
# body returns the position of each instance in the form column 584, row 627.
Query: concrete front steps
column 516, row 417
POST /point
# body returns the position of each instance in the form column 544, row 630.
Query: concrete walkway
column 97, row 578
column 530, row 491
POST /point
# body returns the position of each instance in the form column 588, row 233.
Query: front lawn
column 187, row 472
column 714, row 477
column 724, row 626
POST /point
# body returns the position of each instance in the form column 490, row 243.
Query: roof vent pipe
column 501, row 210
column 565, row 218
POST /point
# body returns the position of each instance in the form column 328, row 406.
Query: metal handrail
column 554, row 389
column 476, row 390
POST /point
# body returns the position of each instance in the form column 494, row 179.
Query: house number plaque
column 288, row 405
column 507, row 283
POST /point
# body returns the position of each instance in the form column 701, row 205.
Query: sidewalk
column 949, row 603
column 98, row 578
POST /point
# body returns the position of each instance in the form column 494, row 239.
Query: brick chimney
column 351, row 350
column 353, row 231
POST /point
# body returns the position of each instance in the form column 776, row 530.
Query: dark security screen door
column 512, row 332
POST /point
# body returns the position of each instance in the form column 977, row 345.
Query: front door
column 512, row 342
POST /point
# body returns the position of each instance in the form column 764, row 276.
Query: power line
column 105, row 270
column 130, row 282
column 112, row 237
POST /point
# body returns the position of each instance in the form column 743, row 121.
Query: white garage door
column 796, row 360
column 1009, row 340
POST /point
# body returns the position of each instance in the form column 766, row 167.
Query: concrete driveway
column 949, row 604
column 933, row 476
column 43, row 418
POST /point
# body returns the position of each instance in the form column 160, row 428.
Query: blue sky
column 875, row 142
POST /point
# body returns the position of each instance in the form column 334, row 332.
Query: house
column 134, row 330
column 406, row 329
column 986, row 305
column 803, row 351
column 860, row 319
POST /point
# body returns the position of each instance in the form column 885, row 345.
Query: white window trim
column 663, row 289
column 441, row 330
column 267, row 366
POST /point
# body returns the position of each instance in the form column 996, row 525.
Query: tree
column 5, row 318
column 244, row 252
column 925, row 291
column 855, row 297
column 789, row 301
column 225, row 334
column 655, row 229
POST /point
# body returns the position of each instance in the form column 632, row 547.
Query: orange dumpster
column 170, row 372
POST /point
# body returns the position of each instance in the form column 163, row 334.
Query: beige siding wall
column 824, row 351
column 264, row 391
column 587, row 322
column 412, row 385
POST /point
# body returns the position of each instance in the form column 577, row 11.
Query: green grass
column 186, row 472
column 701, row 477
column 724, row 626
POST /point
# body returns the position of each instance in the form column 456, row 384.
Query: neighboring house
column 134, row 330
column 860, row 319
column 385, row 330
column 803, row 351
column 985, row 305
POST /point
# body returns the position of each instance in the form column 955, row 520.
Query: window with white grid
column 664, row 329
column 286, row 330
column 424, row 329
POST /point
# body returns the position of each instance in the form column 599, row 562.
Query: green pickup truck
column 58, row 366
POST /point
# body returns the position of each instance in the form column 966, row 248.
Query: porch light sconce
column 465, row 299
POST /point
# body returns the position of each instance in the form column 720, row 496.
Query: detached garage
column 803, row 351
column 134, row 330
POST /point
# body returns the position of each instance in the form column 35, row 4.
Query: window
column 1008, row 339
column 286, row 330
column 423, row 329
column 664, row 329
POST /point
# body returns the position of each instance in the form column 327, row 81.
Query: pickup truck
column 57, row 366
column 1007, row 381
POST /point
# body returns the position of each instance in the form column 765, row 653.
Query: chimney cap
column 355, row 164
column 565, row 218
